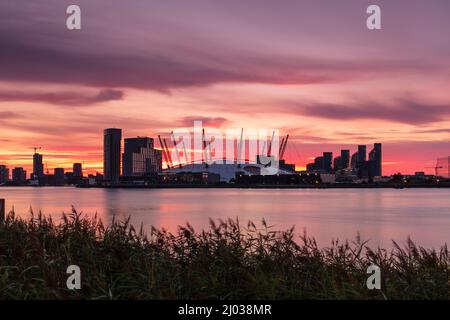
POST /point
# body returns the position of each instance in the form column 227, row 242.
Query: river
column 378, row 215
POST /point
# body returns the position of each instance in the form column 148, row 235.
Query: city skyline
column 312, row 70
column 136, row 156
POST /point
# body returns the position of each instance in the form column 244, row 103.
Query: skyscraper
column 354, row 161
column 362, row 153
column 337, row 164
column 112, row 139
column 327, row 161
column 375, row 156
column 318, row 163
column 345, row 159
column 77, row 170
column 38, row 166
column 140, row 158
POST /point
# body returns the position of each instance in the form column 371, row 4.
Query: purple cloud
column 403, row 111
column 164, row 45
column 62, row 98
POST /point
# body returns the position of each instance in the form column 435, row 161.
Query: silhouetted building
column 59, row 177
column 112, row 139
column 345, row 159
column 77, row 170
column 354, row 161
column 316, row 166
column 337, row 163
column 19, row 176
column 375, row 156
column 140, row 157
column 362, row 153
column 4, row 174
column 286, row 166
column 327, row 162
column 38, row 166
column 69, row 177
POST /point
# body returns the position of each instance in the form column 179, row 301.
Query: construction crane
column 436, row 168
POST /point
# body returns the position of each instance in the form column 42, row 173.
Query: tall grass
column 227, row 261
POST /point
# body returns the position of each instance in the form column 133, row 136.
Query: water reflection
column 379, row 215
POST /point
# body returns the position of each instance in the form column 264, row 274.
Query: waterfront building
column 345, row 159
column 337, row 164
column 362, row 153
column 59, row 177
column 318, row 163
column 286, row 166
column 19, row 176
column 4, row 174
column 112, row 139
column 327, row 162
column 77, row 170
column 140, row 157
column 354, row 161
column 375, row 156
column 38, row 166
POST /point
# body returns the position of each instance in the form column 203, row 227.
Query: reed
column 227, row 261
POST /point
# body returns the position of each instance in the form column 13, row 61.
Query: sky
column 309, row 68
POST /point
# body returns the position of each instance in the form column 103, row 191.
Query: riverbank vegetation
column 227, row 261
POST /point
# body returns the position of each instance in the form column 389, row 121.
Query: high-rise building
column 19, row 176
column 38, row 166
column 337, row 164
column 112, row 139
column 159, row 157
column 140, row 158
column 354, row 161
column 77, row 170
column 375, row 156
column 345, row 159
column 318, row 163
column 327, row 161
column 4, row 174
column 362, row 153
column 59, row 177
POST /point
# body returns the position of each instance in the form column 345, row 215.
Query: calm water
column 379, row 215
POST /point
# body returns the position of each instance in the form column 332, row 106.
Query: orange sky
column 312, row 71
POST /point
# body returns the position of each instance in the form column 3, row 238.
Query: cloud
column 56, row 61
column 207, row 121
column 402, row 111
column 62, row 98
column 8, row 115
